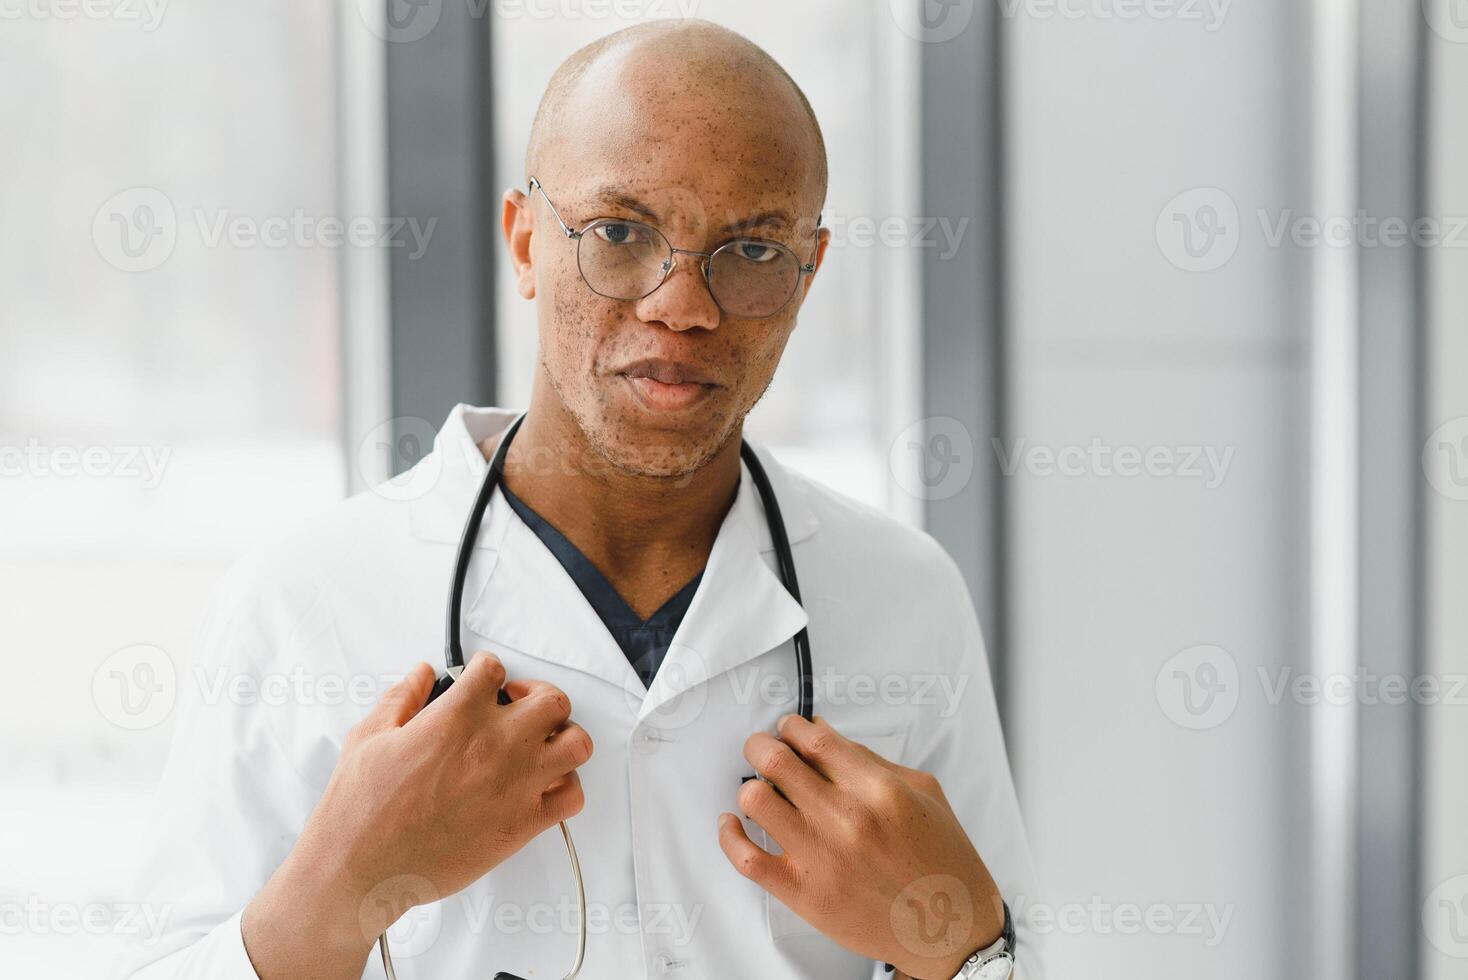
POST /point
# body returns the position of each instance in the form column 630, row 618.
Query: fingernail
column 784, row 719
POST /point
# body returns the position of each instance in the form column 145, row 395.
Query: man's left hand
column 873, row 855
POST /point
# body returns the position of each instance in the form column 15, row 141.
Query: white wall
column 1112, row 576
column 1445, row 728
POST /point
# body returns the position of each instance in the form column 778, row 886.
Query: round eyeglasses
column 749, row 278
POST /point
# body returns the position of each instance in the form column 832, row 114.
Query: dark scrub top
column 644, row 643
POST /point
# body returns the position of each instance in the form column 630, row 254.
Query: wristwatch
column 994, row 963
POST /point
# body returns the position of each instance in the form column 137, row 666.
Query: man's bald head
column 710, row 71
column 696, row 131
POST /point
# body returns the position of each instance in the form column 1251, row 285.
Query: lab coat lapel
column 441, row 487
column 529, row 603
column 741, row 609
column 516, row 595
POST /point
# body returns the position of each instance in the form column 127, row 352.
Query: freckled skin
column 691, row 122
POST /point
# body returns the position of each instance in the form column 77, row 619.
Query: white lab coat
column 327, row 616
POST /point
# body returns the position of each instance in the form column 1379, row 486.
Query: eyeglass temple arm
column 536, row 185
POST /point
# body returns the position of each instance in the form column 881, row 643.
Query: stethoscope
column 454, row 650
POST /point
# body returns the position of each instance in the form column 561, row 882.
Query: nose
column 682, row 300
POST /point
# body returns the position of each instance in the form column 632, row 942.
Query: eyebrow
column 771, row 219
column 619, row 198
column 610, row 195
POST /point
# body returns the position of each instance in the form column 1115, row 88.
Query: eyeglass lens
column 628, row 260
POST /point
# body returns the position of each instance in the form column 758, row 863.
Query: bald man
column 667, row 232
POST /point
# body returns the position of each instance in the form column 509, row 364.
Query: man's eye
column 618, row 233
column 756, row 251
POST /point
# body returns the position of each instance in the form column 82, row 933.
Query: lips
column 666, row 372
column 667, row 386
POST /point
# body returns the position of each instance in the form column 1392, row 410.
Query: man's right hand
column 423, row 802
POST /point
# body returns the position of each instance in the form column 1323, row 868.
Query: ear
column 823, row 240
column 519, row 229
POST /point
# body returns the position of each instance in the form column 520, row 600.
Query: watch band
column 1003, row 946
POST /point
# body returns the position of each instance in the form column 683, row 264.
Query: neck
column 648, row 535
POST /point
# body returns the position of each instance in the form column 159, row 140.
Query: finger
column 926, row 783
column 919, row 780
column 542, row 705
column 563, row 799
column 480, row 680
column 778, row 762
column 772, row 872
column 775, row 814
column 400, row 702
column 869, row 754
column 826, row 750
column 861, row 749
column 566, row 750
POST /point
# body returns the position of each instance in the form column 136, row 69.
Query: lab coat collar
column 740, row 610
column 450, row 475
